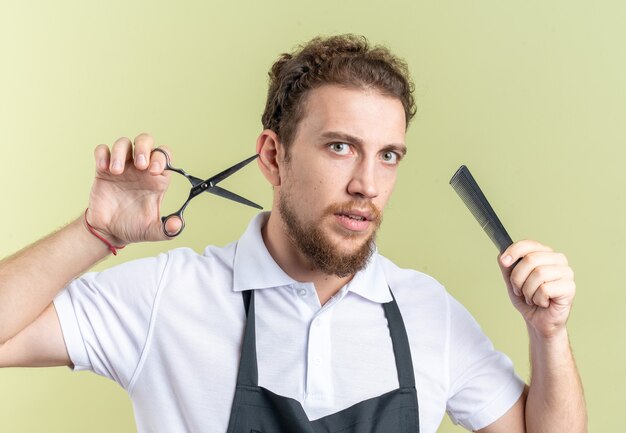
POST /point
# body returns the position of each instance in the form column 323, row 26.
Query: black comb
column 466, row 187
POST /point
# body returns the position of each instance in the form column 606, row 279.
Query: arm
column 40, row 344
column 555, row 400
column 30, row 279
column 541, row 286
column 123, row 206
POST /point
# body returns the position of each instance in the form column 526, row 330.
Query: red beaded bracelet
column 93, row 231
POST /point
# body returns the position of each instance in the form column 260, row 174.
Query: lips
column 356, row 215
column 354, row 220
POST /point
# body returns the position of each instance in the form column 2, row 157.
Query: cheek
column 306, row 191
column 388, row 182
column 322, row 183
column 317, row 193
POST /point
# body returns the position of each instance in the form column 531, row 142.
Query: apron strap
column 248, row 371
column 400, row 341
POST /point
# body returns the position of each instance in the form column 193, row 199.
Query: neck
column 295, row 264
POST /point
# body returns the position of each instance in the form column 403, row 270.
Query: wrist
column 556, row 339
column 112, row 243
column 543, row 328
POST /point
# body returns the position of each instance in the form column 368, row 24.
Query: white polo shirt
column 168, row 329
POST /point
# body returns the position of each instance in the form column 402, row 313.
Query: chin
column 352, row 244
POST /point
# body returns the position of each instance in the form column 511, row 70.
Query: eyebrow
column 338, row 135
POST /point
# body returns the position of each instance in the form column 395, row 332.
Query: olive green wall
column 530, row 95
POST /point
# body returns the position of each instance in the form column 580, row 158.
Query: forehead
column 362, row 112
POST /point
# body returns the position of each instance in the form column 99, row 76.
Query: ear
column 270, row 151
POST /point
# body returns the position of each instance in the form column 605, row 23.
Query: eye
column 390, row 157
column 340, row 148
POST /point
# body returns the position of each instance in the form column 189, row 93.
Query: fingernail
column 154, row 167
column 102, row 164
column 506, row 260
column 117, row 165
column 141, row 160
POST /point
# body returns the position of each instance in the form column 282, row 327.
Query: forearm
column 31, row 278
column 555, row 401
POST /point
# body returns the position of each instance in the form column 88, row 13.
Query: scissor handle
column 168, row 164
column 164, row 220
column 179, row 212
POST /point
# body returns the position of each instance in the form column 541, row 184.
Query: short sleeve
column 483, row 383
column 106, row 317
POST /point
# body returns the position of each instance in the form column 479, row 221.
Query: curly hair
column 346, row 60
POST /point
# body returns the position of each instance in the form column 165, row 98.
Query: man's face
column 340, row 173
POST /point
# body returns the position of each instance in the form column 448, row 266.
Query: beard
column 310, row 239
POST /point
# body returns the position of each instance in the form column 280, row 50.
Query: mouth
column 354, row 220
column 356, row 214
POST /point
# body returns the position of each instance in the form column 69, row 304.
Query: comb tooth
column 490, row 225
column 481, row 216
column 468, row 190
column 473, row 194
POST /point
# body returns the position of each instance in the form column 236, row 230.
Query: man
column 300, row 325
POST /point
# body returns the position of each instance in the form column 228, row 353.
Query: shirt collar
column 254, row 268
column 370, row 282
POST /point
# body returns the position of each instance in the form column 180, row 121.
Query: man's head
column 335, row 125
column 344, row 60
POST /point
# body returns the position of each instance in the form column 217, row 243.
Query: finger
column 157, row 228
column 102, row 156
column 120, row 153
column 173, row 226
column 542, row 275
column 143, row 146
column 521, row 271
column 541, row 297
column 559, row 292
column 158, row 161
column 520, row 249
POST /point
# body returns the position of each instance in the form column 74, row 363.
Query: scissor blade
column 232, row 196
column 224, row 174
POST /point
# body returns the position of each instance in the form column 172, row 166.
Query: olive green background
column 530, row 95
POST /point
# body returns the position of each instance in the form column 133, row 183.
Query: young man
column 300, row 326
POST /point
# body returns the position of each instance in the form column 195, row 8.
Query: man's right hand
column 125, row 199
column 124, row 207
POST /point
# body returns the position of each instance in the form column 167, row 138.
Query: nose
column 363, row 180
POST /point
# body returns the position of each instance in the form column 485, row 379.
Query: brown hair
column 345, row 60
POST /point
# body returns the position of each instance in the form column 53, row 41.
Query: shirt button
column 302, row 292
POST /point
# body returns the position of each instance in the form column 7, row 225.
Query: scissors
column 199, row 186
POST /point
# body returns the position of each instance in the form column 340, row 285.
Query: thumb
column 172, row 226
column 505, row 268
column 166, row 229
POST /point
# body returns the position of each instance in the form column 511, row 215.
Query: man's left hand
column 541, row 285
